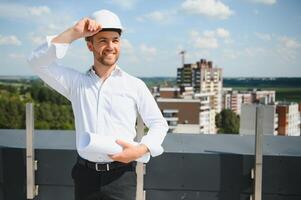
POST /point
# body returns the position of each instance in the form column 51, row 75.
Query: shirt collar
column 116, row 72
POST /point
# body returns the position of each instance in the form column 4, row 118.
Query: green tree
column 227, row 122
column 12, row 113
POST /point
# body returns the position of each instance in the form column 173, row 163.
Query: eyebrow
column 101, row 38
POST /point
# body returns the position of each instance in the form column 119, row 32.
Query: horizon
column 174, row 77
column 248, row 38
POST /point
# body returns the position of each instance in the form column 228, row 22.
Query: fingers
column 124, row 144
column 93, row 25
column 121, row 158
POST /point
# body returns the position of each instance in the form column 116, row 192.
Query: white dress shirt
column 107, row 108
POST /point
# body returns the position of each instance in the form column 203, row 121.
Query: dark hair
column 105, row 29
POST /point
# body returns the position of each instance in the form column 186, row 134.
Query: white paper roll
column 103, row 144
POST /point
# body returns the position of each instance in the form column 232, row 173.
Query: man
column 105, row 102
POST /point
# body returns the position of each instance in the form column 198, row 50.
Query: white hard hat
column 107, row 19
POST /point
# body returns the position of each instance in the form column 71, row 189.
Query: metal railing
column 256, row 173
column 140, row 167
column 31, row 164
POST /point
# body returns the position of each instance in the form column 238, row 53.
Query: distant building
column 207, row 114
column 181, row 114
column 186, row 111
column 248, row 119
column 263, row 96
column 289, row 119
column 204, row 78
column 233, row 99
column 169, row 92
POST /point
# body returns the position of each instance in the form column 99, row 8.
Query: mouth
column 108, row 54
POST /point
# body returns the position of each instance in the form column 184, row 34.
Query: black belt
column 102, row 167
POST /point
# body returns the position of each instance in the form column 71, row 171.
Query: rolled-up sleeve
column 43, row 61
column 153, row 119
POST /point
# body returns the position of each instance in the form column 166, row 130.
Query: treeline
column 262, row 82
column 52, row 110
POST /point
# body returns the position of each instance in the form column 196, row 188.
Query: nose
column 110, row 44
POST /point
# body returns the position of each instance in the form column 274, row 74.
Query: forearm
column 67, row 36
column 84, row 28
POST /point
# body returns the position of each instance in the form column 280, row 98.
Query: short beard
column 105, row 63
column 101, row 60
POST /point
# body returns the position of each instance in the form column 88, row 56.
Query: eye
column 116, row 41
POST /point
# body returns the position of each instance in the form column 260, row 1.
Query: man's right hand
column 84, row 28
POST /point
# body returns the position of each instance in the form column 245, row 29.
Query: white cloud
column 289, row 42
column 38, row 11
column 127, row 47
column 36, row 39
column 230, row 54
column 158, row 16
column 209, row 39
column 9, row 40
column 266, row 2
column 132, row 54
column 125, row 4
column 208, row 33
column 18, row 11
column 223, row 33
column 42, row 17
column 210, row 8
column 288, row 48
column 253, row 51
column 17, row 56
column 206, row 42
column 263, row 36
column 128, row 50
column 148, row 51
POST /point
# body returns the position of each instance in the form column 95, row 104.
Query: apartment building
column 182, row 115
column 233, row 99
column 186, row 111
column 263, row 96
column 204, row 78
column 207, row 114
column 289, row 118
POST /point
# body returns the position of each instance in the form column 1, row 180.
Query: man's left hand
column 130, row 152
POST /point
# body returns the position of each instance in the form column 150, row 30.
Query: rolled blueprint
column 105, row 144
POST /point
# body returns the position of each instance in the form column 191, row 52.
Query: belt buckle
column 102, row 170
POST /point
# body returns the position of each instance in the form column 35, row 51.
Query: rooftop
column 193, row 167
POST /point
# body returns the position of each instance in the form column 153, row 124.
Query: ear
column 90, row 45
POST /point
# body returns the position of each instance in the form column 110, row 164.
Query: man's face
column 105, row 46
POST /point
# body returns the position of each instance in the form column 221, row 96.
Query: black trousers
column 116, row 184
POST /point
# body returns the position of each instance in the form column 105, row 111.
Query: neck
column 103, row 71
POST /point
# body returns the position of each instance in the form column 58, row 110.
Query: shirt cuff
column 60, row 48
column 154, row 149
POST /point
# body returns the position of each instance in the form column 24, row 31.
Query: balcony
column 171, row 118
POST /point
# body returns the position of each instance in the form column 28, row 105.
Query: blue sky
column 259, row 38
